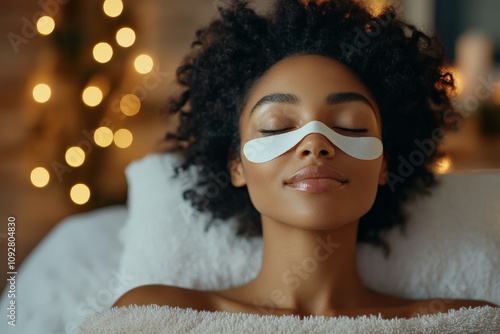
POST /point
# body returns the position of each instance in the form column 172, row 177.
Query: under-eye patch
column 270, row 147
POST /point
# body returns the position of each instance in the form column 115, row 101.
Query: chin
column 315, row 222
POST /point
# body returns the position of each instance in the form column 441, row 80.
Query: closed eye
column 358, row 130
column 264, row 131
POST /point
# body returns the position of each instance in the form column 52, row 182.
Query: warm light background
column 82, row 86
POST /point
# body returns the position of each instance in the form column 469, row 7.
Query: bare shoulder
column 165, row 295
column 459, row 303
column 433, row 306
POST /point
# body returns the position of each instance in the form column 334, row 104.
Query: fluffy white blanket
column 155, row 319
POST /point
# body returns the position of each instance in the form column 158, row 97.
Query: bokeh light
column 112, row 8
column 103, row 52
column 130, row 104
column 143, row 64
column 39, row 177
column 92, row 96
column 75, row 156
column 45, row 25
column 123, row 138
column 103, row 136
column 458, row 78
column 443, row 165
column 496, row 95
column 80, row 193
column 376, row 7
column 41, row 93
column 125, row 37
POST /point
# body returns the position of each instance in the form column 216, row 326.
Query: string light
column 125, row 37
column 75, row 156
column 103, row 52
column 123, row 138
column 41, row 93
column 103, row 136
column 130, row 104
column 45, row 25
column 143, row 64
column 80, row 193
column 39, row 177
column 92, row 96
column 112, row 8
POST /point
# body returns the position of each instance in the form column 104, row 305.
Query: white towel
column 155, row 319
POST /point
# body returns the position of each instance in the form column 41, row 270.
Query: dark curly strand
column 401, row 66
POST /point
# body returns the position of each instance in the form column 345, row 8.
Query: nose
column 315, row 145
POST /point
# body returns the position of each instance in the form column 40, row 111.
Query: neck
column 307, row 271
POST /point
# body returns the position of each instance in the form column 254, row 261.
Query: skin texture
column 309, row 259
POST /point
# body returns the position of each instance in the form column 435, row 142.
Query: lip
column 316, row 178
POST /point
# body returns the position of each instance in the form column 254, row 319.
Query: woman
column 309, row 110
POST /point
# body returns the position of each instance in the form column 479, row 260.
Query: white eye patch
column 268, row 148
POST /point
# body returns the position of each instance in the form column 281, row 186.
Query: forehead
column 311, row 77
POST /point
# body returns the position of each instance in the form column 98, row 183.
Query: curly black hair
column 402, row 67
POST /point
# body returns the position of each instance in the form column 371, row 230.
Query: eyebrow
column 277, row 98
column 337, row 98
column 331, row 99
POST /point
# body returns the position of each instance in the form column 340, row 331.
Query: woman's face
column 330, row 188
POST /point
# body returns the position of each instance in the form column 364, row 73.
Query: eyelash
column 273, row 131
column 361, row 130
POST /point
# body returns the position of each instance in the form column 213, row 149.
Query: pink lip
column 316, row 179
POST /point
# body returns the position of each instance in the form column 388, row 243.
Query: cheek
column 365, row 178
column 262, row 181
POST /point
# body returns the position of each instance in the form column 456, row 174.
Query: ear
column 236, row 170
column 382, row 180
